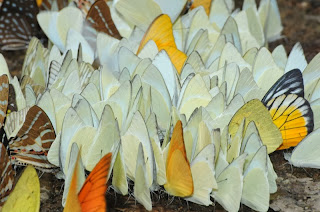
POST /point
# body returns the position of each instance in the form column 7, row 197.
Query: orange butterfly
column 179, row 177
column 160, row 31
column 92, row 194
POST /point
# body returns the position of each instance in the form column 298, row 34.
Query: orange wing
column 179, row 177
column 92, row 193
column 160, row 31
column 289, row 110
column 293, row 116
column 205, row 3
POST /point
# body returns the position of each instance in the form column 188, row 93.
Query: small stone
column 286, row 182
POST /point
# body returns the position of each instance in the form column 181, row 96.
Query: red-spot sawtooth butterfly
column 33, row 140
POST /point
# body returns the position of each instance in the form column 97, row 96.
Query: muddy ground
column 298, row 189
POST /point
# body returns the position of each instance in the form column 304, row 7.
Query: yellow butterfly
column 26, row 194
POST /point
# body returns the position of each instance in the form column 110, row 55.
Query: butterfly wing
column 84, row 5
column 4, row 96
column 99, row 16
column 92, row 194
column 7, row 174
column 33, row 140
column 26, row 193
column 290, row 112
column 206, row 4
column 18, row 23
column 289, row 83
column 179, row 177
column 160, row 31
column 293, row 115
column 48, row 4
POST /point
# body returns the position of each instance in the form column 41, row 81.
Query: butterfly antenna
column 61, row 187
column 170, row 200
column 188, row 205
column 40, row 173
column 309, row 175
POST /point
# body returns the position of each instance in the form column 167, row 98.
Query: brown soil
column 298, row 189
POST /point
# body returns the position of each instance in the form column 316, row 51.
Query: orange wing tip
column 205, row 3
column 39, row 2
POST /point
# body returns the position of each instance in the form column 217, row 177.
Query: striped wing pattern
column 4, row 96
column 18, row 23
column 289, row 110
column 7, row 174
column 32, row 143
column 99, row 16
column 293, row 116
column 289, row 83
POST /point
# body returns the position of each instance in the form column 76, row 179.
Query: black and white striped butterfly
column 18, row 23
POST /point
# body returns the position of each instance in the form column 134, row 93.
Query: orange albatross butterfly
column 92, row 194
column 179, row 178
column 160, row 31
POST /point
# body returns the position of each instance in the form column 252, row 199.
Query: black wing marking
column 289, row 83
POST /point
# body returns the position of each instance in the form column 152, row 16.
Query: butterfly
column 99, row 16
column 160, row 31
column 49, row 4
column 4, row 96
column 289, row 110
column 84, row 5
column 7, row 173
column 18, row 24
column 26, row 193
column 179, row 177
column 91, row 197
column 191, row 4
column 33, row 140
